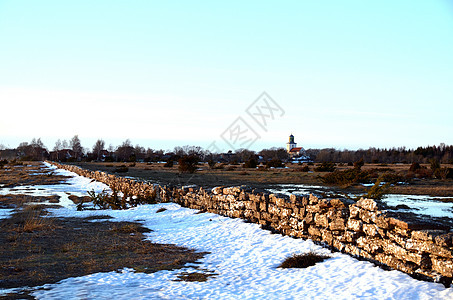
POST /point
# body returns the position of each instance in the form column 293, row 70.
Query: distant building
column 296, row 153
column 292, row 149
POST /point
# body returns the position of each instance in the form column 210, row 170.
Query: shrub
column 346, row 177
column 303, row 260
column 414, row 167
column 326, row 167
column 434, row 164
column 443, row 173
column 251, row 163
column 211, row 164
column 303, row 169
column 275, row 163
column 188, row 164
column 391, row 178
column 378, row 190
column 168, row 164
column 359, row 164
column 121, row 169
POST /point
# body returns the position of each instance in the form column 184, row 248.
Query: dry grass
column 195, row 276
column 303, row 260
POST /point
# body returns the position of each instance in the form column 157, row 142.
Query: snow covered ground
column 243, row 257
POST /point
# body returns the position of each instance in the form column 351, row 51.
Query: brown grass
column 303, row 260
column 35, row 249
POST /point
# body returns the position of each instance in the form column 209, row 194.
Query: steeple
column 291, row 144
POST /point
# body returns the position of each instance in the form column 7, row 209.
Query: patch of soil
column 31, row 173
column 195, row 276
column 35, row 250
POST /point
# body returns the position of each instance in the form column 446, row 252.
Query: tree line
column 72, row 150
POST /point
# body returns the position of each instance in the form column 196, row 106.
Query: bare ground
column 37, row 249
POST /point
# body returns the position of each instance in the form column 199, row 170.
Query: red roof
column 295, row 149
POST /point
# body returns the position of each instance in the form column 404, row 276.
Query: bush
column 275, row 163
column 303, row 260
column 444, row 173
column 303, row 169
column 346, row 177
column 251, row 163
column 414, row 167
column 434, row 164
column 359, row 164
column 168, row 164
column 377, row 191
column 391, row 178
column 188, row 164
column 326, row 167
column 424, row 173
column 211, row 164
column 121, row 169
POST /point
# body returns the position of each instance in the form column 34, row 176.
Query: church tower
column 291, row 144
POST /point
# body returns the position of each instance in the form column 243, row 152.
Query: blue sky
column 348, row 74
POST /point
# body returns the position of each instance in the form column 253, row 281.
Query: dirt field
column 35, row 250
column 232, row 175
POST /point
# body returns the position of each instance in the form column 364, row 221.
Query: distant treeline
column 73, row 150
column 441, row 153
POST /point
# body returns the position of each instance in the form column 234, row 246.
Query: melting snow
column 243, row 257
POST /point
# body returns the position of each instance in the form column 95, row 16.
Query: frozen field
column 243, row 258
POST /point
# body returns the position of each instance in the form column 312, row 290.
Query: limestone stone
column 309, row 218
column 370, row 229
column 353, row 250
column 444, row 240
column 354, row 212
column 368, row 204
column 443, row 266
column 426, row 235
column 369, row 245
column 355, row 225
column 314, row 231
column 395, row 250
column 321, row 220
column 337, row 224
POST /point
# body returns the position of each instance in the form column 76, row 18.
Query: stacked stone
column 359, row 229
column 125, row 185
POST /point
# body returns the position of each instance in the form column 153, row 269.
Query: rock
column 321, row 220
column 314, row 231
column 370, row 229
column 426, row 235
column 337, row 224
column 443, row 266
column 444, row 240
column 368, row 204
column 355, row 225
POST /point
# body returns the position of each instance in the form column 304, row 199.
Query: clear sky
column 346, row 74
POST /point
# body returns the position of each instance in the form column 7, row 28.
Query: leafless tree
column 76, row 146
column 98, row 148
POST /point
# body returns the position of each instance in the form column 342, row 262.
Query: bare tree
column 125, row 152
column 76, row 146
column 65, row 144
column 57, row 148
column 98, row 148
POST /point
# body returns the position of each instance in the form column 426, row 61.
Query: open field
column 233, row 175
column 38, row 249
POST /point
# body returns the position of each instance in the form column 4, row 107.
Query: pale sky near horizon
column 346, row 74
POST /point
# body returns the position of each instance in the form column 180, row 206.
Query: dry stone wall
column 357, row 228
